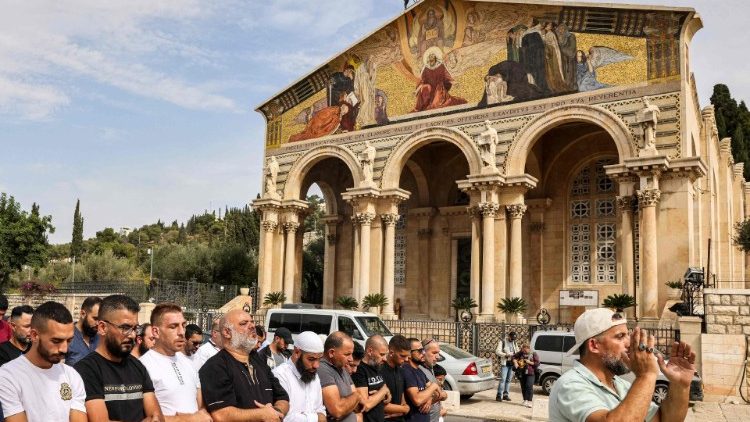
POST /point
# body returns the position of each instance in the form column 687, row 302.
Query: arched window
column 592, row 225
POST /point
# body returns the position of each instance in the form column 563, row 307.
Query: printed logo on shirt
column 66, row 393
column 375, row 380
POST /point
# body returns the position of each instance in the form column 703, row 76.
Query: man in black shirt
column 118, row 386
column 369, row 380
column 398, row 354
column 236, row 384
column 20, row 339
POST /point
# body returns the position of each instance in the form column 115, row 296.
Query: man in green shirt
column 593, row 391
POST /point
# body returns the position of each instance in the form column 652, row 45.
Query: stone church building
column 494, row 149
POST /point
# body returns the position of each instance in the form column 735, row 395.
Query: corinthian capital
column 648, row 197
column 489, row 209
column 516, row 210
column 389, row 219
column 291, row 226
column 364, row 218
column 625, row 203
column 269, row 225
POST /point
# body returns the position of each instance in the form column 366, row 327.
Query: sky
column 144, row 109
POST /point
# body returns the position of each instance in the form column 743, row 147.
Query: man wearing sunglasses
column 419, row 390
column 118, row 386
column 593, row 391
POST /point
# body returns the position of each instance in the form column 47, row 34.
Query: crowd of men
column 108, row 367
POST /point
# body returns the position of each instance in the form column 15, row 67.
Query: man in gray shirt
column 429, row 359
column 336, row 383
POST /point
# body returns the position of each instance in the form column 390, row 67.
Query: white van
column 359, row 325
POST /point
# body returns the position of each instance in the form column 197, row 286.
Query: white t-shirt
column 175, row 381
column 44, row 394
column 203, row 353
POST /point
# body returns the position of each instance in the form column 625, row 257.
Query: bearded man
column 20, row 339
column 236, row 384
column 85, row 337
column 118, row 386
column 593, row 391
column 299, row 377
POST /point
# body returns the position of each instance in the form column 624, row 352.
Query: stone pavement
column 483, row 406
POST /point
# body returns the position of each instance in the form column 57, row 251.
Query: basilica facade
column 492, row 149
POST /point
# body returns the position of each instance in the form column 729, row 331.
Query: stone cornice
column 538, row 204
column 454, row 210
column 266, row 204
column 422, row 212
column 739, row 170
column 296, row 205
column 692, row 168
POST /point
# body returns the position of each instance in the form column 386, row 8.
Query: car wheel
column 466, row 396
column 547, row 382
column 660, row 393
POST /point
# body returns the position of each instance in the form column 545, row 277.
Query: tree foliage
column 23, row 237
column 76, row 244
column 733, row 120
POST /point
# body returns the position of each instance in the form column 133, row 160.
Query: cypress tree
column 76, row 245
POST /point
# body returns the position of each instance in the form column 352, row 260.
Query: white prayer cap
column 309, row 342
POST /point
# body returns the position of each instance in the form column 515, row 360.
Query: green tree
column 106, row 266
column 312, row 271
column 76, row 244
column 22, row 236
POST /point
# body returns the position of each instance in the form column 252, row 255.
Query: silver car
column 467, row 373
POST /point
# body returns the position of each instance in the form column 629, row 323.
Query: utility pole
column 151, row 252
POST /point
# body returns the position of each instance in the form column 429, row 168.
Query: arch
column 541, row 124
column 301, row 166
column 421, row 180
column 401, row 153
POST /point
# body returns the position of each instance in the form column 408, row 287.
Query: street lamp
column 151, row 252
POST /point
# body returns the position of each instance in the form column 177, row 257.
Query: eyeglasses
column 421, row 350
column 125, row 329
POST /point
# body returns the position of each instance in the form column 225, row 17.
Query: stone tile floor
column 482, row 406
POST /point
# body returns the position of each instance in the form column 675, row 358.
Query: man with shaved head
column 236, row 384
column 369, row 380
column 339, row 395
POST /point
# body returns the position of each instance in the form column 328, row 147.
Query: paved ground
column 483, row 407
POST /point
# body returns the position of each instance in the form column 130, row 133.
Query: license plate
column 486, row 369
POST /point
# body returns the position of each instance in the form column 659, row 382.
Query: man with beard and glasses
column 20, row 340
column 419, row 390
column 193, row 340
column 175, row 380
column 118, row 386
column 85, row 337
column 299, row 377
column 369, row 381
column 339, row 394
column 144, row 340
column 398, row 354
column 593, row 391
column 36, row 386
column 237, row 385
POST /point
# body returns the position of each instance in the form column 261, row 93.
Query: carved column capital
column 516, row 210
column 625, row 203
column 291, row 226
column 269, row 225
column 648, row 197
column 364, row 218
column 389, row 219
column 332, row 238
column 489, row 209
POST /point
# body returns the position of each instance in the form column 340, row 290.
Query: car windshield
column 373, row 325
column 455, row 352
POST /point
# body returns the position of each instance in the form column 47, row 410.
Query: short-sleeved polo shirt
column 579, row 393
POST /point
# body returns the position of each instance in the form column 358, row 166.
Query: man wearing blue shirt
column 85, row 337
column 593, row 391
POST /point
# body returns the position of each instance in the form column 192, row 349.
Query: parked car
column 552, row 346
column 359, row 325
column 466, row 373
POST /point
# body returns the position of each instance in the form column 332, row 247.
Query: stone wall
column 727, row 311
column 723, row 358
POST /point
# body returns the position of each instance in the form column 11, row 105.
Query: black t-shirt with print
column 120, row 384
column 372, row 378
column 8, row 352
column 225, row 382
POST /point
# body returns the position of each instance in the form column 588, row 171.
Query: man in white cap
column 299, row 377
column 593, row 391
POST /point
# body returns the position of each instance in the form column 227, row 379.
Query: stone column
column 355, row 258
column 476, row 259
column 389, row 248
column 364, row 219
column 489, row 210
column 515, row 270
column 625, row 255
column 291, row 234
column 266, row 255
column 329, row 260
column 647, row 200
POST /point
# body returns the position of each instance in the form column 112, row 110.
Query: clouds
column 50, row 50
